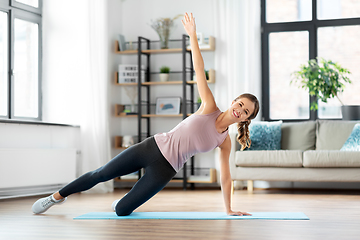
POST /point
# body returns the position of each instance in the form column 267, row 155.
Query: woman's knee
column 120, row 211
column 124, row 207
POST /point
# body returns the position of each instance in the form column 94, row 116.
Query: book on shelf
column 122, row 43
column 127, row 113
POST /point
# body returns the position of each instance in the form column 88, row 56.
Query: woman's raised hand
column 189, row 24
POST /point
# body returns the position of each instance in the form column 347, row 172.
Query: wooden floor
column 333, row 215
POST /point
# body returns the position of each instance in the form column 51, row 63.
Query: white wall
column 115, row 26
column 137, row 16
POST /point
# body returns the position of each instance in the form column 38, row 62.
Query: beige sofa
column 310, row 152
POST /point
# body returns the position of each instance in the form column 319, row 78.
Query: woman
column 164, row 154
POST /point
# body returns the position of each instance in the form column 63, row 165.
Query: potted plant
column 198, row 103
column 207, row 74
column 323, row 79
column 164, row 73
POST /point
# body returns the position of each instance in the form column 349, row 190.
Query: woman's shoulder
column 207, row 110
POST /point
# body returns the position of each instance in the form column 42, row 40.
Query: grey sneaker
column 113, row 205
column 43, row 204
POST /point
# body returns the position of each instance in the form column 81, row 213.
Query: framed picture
column 168, row 105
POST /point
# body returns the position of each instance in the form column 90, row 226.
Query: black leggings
column 158, row 172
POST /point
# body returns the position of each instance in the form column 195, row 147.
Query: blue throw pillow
column 353, row 142
column 265, row 135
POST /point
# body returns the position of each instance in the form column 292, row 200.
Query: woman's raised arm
column 205, row 93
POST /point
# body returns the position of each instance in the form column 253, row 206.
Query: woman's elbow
column 225, row 179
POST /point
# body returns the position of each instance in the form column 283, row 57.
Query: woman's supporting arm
column 225, row 177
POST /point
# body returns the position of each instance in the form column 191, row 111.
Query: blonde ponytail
column 244, row 135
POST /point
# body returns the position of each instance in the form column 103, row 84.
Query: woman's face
column 242, row 109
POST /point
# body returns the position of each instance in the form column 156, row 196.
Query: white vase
column 164, row 77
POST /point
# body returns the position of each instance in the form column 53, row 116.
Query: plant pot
column 350, row 112
column 164, row 77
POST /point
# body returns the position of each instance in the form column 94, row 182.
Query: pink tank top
column 194, row 134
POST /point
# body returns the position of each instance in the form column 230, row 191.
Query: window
column 3, row 63
column 337, row 9
column 288, row 10
column 20, row 59
column 341, row 43
column 294, row 31
column 287, row 50
column 32, row 3
column 26, row 84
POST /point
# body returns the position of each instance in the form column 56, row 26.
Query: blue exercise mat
column 195, row 216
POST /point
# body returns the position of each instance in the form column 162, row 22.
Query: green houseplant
column 198, row 103
column 165, row 69
column 164, row 73
column 322, row 78
column 207, row 74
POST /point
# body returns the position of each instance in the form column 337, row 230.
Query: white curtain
column 95, row 136
column 238, row 54
column 238, row 50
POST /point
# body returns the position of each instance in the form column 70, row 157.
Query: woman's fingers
column 188, row 18
column 232, row 213
column 246, row 214
column 189, row 23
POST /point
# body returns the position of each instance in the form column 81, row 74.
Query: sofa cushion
column 297, row 174
column 265, row 135
column 332, row 134
column 331, row 158
column 298, row 136
column 275, row 158
column 353, row 142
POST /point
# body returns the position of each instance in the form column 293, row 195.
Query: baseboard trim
column 7, row 193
